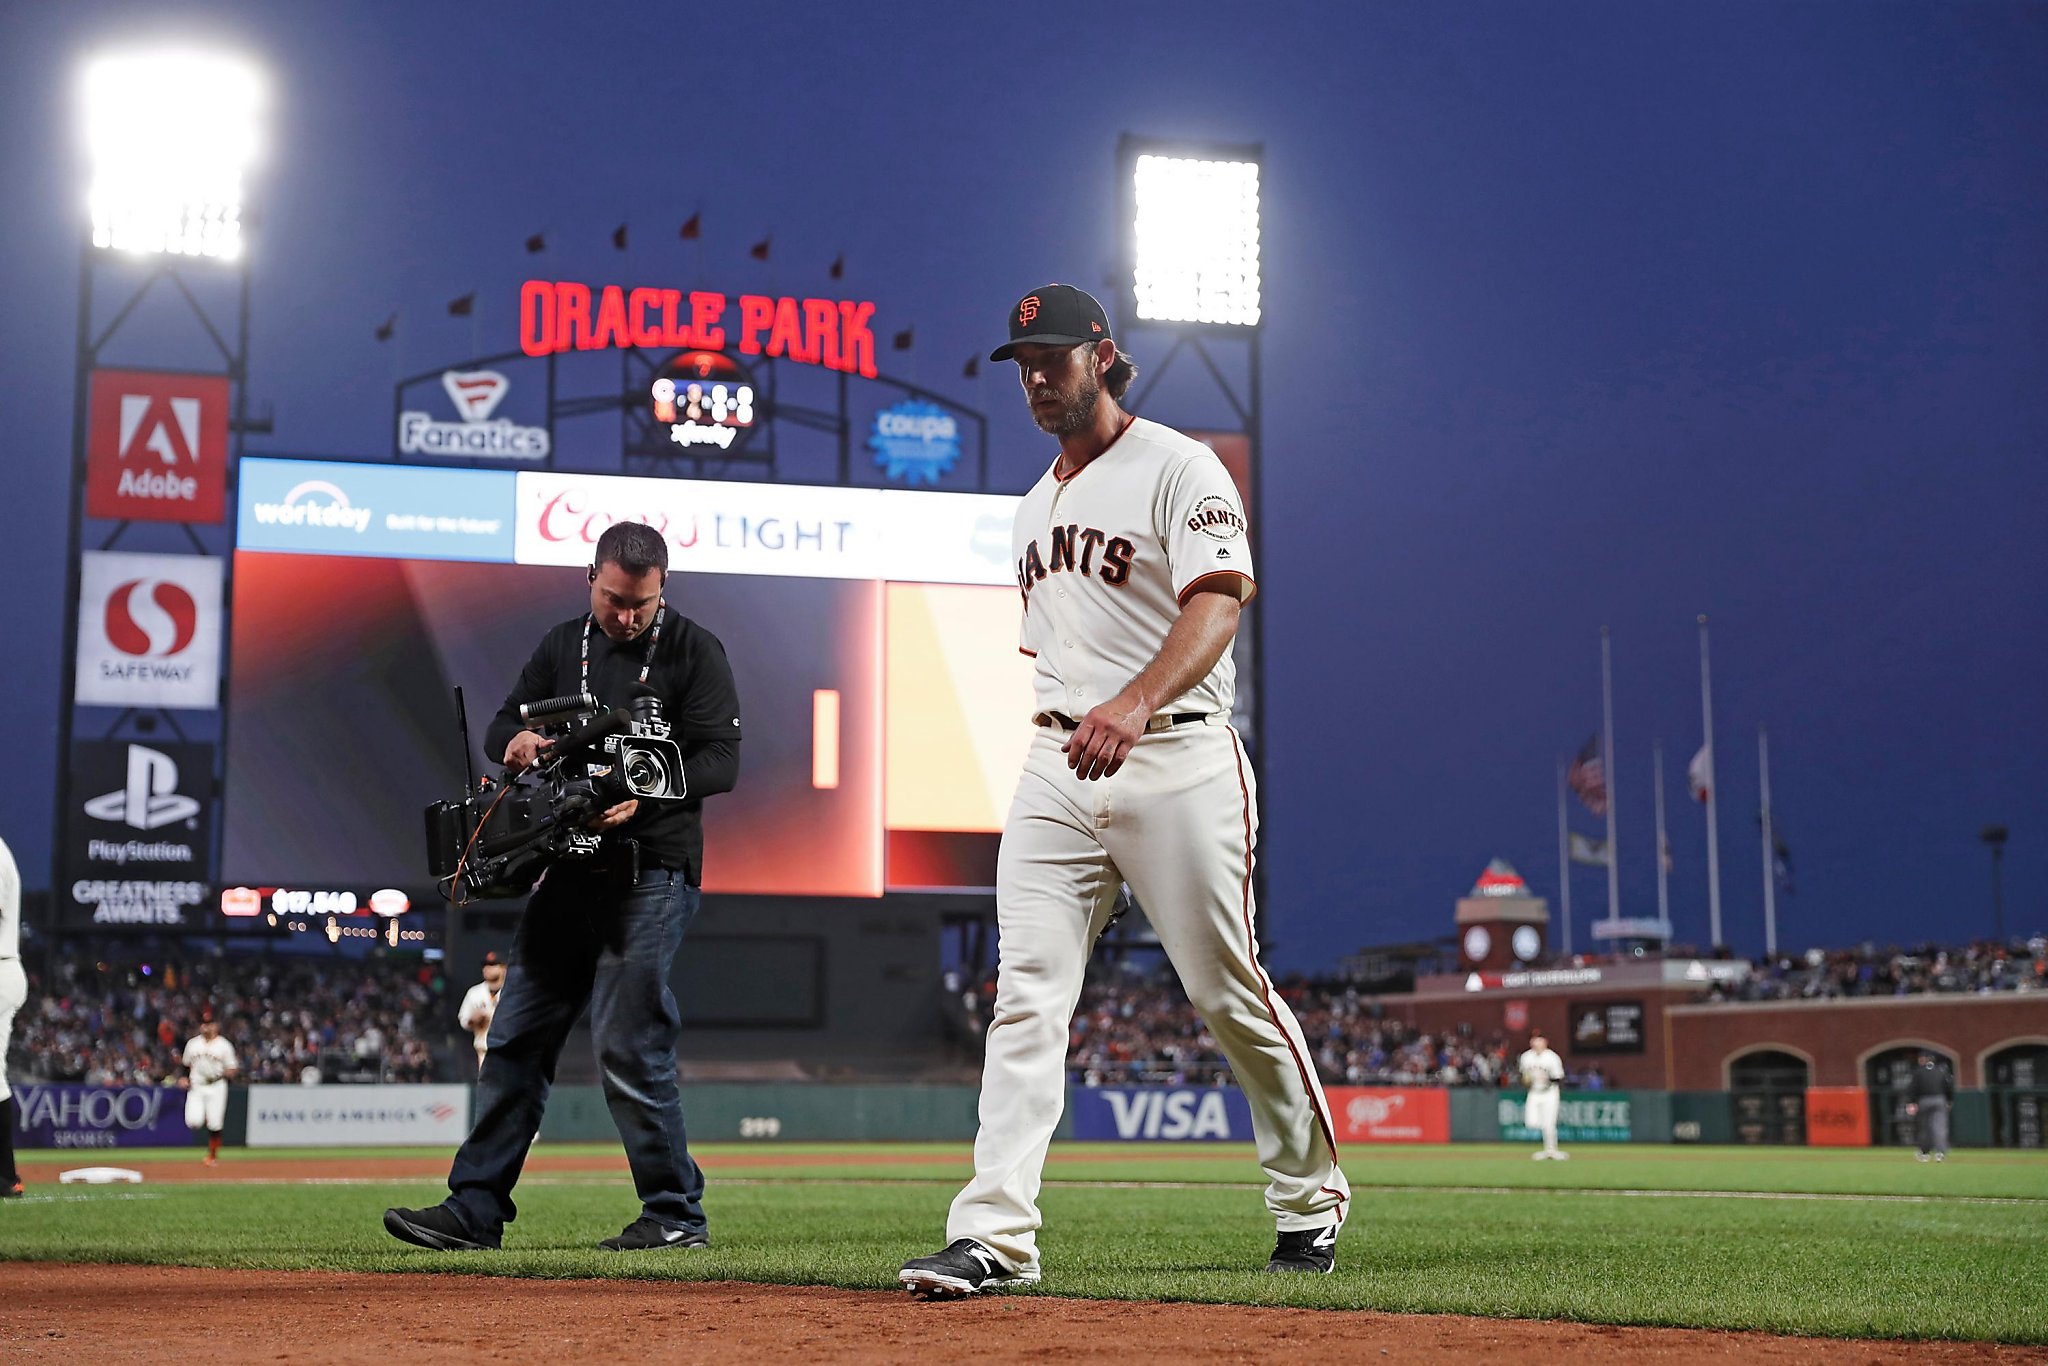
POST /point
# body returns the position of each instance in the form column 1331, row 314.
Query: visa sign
column 1160, row 1114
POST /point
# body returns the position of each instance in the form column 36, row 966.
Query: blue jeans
column 587, row 939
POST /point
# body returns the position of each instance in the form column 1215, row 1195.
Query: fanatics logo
column 476, row 394
column 157, row 446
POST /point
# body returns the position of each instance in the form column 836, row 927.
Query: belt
column 1066, row 722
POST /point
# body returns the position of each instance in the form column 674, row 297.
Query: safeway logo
column 476, row 394
column 157, row 446
column 151, row 618
column 149, row 630
column 150, row 799
column 314, row 503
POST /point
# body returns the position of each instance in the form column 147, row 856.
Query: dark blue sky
column 1592, row 313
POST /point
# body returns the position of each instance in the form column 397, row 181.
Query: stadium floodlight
column 169, row 135
column 1194, row 234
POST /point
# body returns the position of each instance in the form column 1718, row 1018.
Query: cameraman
column 603, row 930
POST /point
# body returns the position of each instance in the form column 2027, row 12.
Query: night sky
column 1577, row 314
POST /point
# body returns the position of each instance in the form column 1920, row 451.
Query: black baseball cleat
column 964, row 1268
column 1308, row 1249
column 644, row 1235
column 11, row 1191
column 436, row 1227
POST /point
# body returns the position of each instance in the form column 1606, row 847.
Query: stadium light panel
column 169, row 135
column 1195, row 229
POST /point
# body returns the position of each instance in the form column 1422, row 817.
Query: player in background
column 1543, row 1073
column 13, row 991
column 1934, row 1089
column 209, row 1061
column 481, row 1003
column 1133, row 564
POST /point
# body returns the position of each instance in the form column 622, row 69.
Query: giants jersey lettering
column 1106, row 559
column 209, row 1061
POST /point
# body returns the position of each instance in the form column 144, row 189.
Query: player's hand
column 184, row 1083
column 525, row 748
column 1105, row 738
column 617, row 816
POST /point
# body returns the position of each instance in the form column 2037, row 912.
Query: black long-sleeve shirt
column 1932, row 1081
column 690, row 671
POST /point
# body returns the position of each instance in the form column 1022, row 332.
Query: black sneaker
column 964, row 1268
column 437, row 1227
column 644, row 1235
column 1308, row 1249
column 11, row 1191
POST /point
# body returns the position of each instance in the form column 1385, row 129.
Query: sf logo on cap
column 1027, row 310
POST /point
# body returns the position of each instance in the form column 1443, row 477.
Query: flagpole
column 1713, row 795
column 1763, row 762
column 1564, row 862
column 1663, row 892
column 1607, row 772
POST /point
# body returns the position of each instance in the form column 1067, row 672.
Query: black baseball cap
column 1053, row 315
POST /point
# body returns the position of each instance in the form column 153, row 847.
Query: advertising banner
column 1606, row 1027
column 138, row 838
column 148, row 630
column 1160, row 1113
column 323, row 507
column 156, row 447
column 357, row 1116
column 1390, row 1114
column 68, row 1116
column 1837, row 1117
column 466, row 414
column 1582, row 1117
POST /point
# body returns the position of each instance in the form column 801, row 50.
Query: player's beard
column 1076, row 408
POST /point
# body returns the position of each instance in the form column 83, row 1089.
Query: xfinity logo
column 314, row 503
column 150, row 800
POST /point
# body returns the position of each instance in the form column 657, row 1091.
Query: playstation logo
column 151, row 799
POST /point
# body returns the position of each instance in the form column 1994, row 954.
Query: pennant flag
column 693, row 227
column 1589, row 851
column 759, row 251
column 1699, row 774
column 390, row 325
column 1781, row 856
column 838, row 271
column 536, row 244
column 619, row 237
column 905, row 338
column 462, row 307
column 1587, row 777
column 972, row 370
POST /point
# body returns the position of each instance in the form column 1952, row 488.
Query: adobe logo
column 157, row 446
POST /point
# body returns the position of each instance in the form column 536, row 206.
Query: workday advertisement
column 319, row 507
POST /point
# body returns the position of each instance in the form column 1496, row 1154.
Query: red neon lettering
column 787, row 338
column 611, row 319
column 856, row 342
column 536, row 318
column 572, row 316
column 705, row 311
column 821, row 331
column 673, row 333
column 642, row 332
column 756, row 313
column 560, row 503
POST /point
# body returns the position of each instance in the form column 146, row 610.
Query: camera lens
column 646, row 774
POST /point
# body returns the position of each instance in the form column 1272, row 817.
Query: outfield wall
column 95, row 1118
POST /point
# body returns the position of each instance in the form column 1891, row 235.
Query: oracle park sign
column 563, row 315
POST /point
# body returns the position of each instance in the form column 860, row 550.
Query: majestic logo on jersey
column 1074, row 552
column 1215, row 518
column 1028, row 309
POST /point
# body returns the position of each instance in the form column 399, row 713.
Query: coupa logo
column 314, row 503
column 151, row 618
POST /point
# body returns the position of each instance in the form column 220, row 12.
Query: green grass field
column 1844, row 1243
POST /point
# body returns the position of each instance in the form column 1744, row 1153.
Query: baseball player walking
column 1934, row 1089
column 13, row 991
column 209, row 1061
column 1543, row 1073
column 1132, row 560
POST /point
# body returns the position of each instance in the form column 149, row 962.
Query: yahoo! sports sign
column 65, row 1116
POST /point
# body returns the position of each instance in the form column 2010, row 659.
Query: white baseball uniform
column 1543, row 1072
column 13, row 982
column 479, row 1004
column 1105, row 560
column 209, row 1061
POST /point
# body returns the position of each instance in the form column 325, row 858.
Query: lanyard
column 654, row 639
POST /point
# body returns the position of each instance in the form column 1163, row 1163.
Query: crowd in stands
column 1984, row 966
column 290, row 1020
